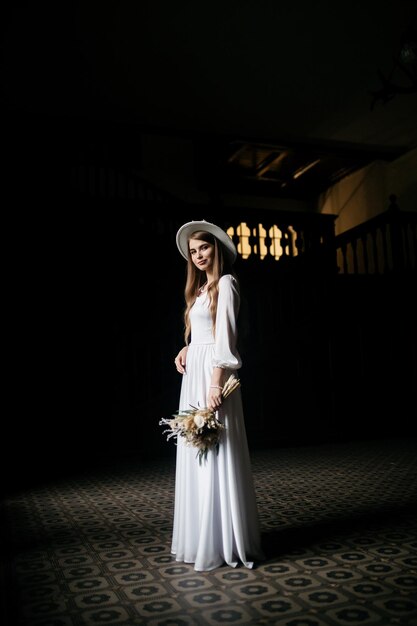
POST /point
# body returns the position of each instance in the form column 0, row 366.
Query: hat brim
column 189, row 228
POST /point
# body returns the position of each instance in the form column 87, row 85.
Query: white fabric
column 215, row 515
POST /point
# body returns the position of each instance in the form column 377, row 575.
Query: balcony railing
column 282, row 236
column 385, row 244
column 285, row 239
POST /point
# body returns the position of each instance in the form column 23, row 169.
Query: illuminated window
column 243, row 232
column 279, row 241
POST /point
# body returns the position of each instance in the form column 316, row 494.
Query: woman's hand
column 181, row 360
column 214, row 398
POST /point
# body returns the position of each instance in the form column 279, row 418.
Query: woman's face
column 202, row 254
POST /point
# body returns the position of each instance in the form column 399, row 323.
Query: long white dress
column 215, row 513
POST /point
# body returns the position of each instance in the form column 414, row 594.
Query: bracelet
column 216, row 387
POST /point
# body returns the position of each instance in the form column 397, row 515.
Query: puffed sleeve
column 225, row 351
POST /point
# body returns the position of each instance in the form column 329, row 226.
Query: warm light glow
column 259, row 235
column 276, row 249
column 293, row 235
column 243, row 247
column 263, row 250
column 305, row 168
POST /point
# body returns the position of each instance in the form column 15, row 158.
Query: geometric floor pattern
column 339, row 529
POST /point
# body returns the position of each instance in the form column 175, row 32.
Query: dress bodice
column 201, row 323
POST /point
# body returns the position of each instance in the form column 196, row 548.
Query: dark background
column 94, row 285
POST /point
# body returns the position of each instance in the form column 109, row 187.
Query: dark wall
column 325, row 356
column 95, row 302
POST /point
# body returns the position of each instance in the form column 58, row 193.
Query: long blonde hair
column 195, row 279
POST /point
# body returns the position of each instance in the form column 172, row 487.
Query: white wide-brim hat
column 189, row 228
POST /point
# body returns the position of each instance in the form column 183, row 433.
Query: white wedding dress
column 215, row 515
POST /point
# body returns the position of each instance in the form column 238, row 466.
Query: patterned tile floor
column 339, row 529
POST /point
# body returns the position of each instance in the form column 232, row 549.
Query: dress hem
column 234, row 564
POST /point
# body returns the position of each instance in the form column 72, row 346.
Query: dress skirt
column 215, row 514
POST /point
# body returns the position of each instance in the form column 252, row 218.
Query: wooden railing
column 275, row 240
column 287, row 239
column 284, row 238
column 384, row 244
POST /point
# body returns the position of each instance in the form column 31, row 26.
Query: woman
column 215, row 516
